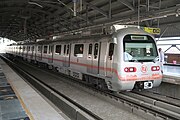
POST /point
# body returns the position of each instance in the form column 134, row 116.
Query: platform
column 172, row 70
column 31, row 105
column 171, row 82
column 10, row 107
column 171, row 74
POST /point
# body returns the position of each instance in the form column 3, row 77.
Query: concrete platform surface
column 36, row 107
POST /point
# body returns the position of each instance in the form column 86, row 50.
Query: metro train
column 124, row 59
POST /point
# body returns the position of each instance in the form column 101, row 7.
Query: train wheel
column 50, row 67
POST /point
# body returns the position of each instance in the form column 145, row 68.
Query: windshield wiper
column 133, row 60
column 156, row 59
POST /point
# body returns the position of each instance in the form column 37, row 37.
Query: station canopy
column 37, row 19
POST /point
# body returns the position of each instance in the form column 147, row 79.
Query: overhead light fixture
column 34, row 3
column 177, row 12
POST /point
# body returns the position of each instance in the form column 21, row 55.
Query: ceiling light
column 34, row 3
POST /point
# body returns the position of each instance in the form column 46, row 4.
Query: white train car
column 43, row 54
column 33, row 53
column 30, row 52
column 38, row 53
column 20, row 50
column 123, row 60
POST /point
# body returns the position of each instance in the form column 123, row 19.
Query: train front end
column 139, row 66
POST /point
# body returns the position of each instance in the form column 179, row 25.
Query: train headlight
column 130, row 69
column 126, row 69
column 155, row 68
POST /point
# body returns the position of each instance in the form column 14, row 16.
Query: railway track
column 151, row 105
column 144, row 104
column 147, row 104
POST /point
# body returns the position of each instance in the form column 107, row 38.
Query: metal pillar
column 138, row 12
column 110, row 11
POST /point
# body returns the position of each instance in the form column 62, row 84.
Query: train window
column 45, row 49
column 39, row 49
column 58, row 49
column 64, row 49
column 67, row 50
column 95, row 50
column 28, row 48
column 24, row 48
column 32, row 48
column 90, row 49
column 78, row 50
column 142, row 48
column 111, row 50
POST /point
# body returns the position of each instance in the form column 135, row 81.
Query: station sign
column 154, row 31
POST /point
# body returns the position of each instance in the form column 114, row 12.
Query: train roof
column 95, row 33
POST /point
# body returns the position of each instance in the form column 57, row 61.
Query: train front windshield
column 139, row 48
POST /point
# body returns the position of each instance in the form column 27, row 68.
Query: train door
column 45, row 53
column 35, row 52
column 23, row 49
column 50, row 52
column 66, row 51
column 68, row 55
column 19, row 50
column 25, row 52
column 95, row 59
column 39, row 53
column 90, row 58
column 58, row 55
column 28, row 52
column 109, row 60
column 32, row 53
